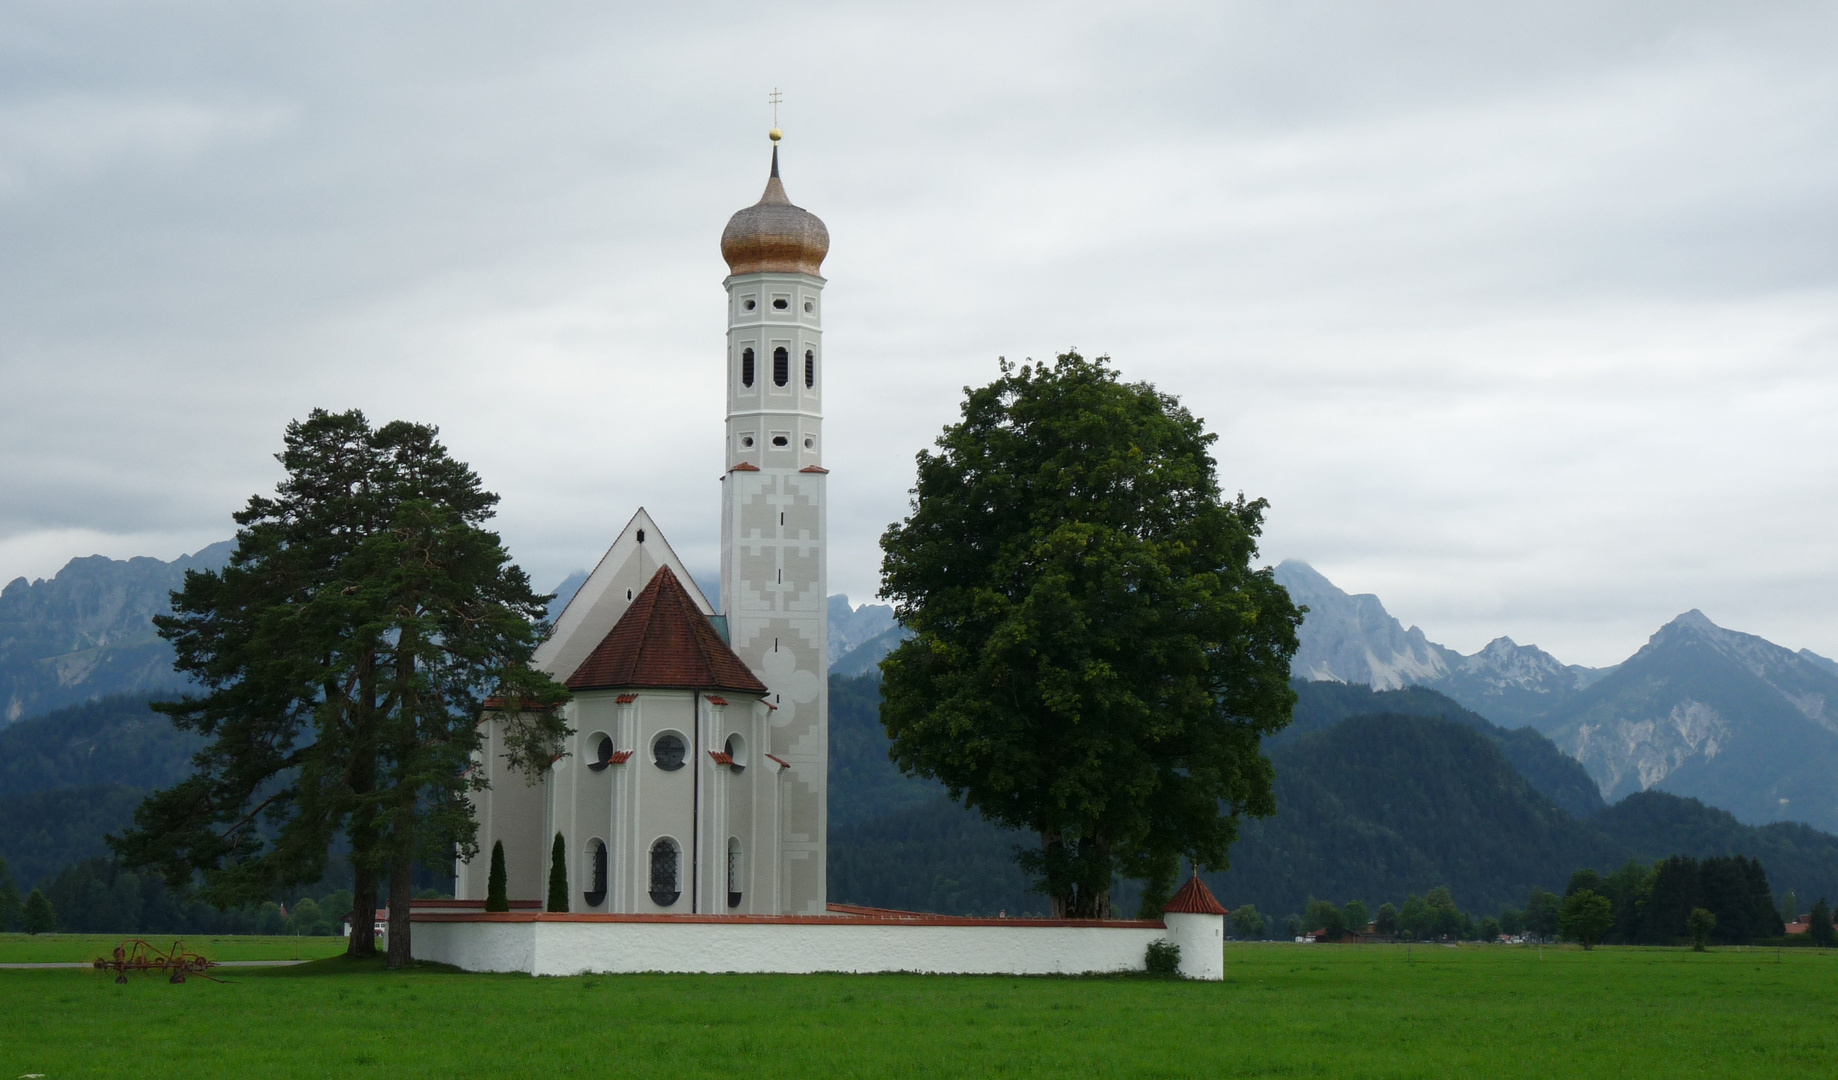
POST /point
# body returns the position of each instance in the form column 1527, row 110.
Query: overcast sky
column 1523, row 317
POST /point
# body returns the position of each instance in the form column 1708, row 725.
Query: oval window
column 780, row 440
column 780, row 304
column 603, row 755
column 669, row 751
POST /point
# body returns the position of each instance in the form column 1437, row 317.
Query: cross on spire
column 775, row 98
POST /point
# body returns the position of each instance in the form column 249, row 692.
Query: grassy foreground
column 1285, row 1010
column 82, row 948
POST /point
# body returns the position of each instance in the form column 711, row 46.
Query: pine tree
column 1820, row 930
column 347, row 653
column 9, row 899
column 39, row 918
column 496, row 896
column 558, row 876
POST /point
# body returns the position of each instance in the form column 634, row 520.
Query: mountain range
column 1699, row 710
column 88, row 632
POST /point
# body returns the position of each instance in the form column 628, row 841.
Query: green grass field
column 1284, row 1010
column 82, row 948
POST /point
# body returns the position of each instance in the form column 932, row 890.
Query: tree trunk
column 363, row 943
column 401, row 890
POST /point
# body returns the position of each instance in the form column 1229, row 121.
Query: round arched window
column 596, row 863
column 781, row 366
column 746, row 367
column 666, row 865
column 668, row 751
column 737, row 751
column 810, row 368
column 736, row 872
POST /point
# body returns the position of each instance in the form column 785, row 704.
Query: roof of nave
column 663, row 641
column 615, row 582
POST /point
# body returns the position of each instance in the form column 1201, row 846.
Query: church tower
column 774, row 576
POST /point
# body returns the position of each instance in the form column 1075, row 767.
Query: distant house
column 1802, row 924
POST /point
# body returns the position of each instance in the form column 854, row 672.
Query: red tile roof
column 722, row 757
column 1193, row 898
column 717, row 699
column 780, row 760
column 662, row 641
column 625, row 699
column 620, row 757
column 814, row 468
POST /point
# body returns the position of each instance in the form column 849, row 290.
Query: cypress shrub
column 39, row 918
column 496, row 899
column 558, row 876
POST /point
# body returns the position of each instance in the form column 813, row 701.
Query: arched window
column 603, row 754
column 746, row 367
column 737, row 752
column 810, row 368
column 781, row 366
column 596, row 860
column 665, row 866
column 736, row 874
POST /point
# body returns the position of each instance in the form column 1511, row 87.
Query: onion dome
column 773, row 236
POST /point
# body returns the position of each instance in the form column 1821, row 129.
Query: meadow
column 82, row 948
column 1284, row 1010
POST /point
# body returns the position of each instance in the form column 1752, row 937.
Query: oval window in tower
column 746, row 367
column 781, row 366
column 810, row 368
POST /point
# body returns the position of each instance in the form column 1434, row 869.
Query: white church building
column 692, row 799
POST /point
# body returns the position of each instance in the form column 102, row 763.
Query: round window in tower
column 603, row 754
column 748, row 304
column 809, row 306
column 780, row 304
column 810, row 443
column 780, row 440
column 668, row 751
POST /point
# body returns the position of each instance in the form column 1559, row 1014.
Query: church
column 691, row 800
column 695, row 780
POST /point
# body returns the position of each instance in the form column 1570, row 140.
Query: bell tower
column 774, row 574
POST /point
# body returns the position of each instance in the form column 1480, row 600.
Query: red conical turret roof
column 664, row 642
column 1194, row 898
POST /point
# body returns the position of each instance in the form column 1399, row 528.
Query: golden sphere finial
column 775, row 134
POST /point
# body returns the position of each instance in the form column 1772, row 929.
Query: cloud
column 1522, row 318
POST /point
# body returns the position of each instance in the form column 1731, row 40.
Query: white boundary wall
column 564, row 946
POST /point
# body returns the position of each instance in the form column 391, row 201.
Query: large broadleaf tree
column 1093, row 657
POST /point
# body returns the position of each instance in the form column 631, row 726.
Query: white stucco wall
column 573, row 946
column 1202, row 942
